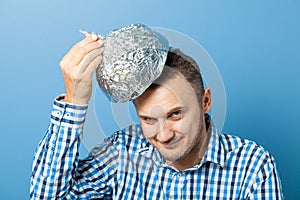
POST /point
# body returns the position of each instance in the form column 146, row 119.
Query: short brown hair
column 178, row 62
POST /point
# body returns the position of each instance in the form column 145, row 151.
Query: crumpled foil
column 133, row 57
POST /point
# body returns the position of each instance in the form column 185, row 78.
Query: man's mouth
column 171, row 144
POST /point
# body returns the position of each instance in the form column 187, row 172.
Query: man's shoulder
column 247, row 148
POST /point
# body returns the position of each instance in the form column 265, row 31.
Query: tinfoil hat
column 133, row 57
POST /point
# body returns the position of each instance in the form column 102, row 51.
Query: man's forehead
column 172, row 92
column 176, row 84
column 159, row 96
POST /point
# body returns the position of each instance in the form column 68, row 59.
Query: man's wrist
column 68, row 114
column 63, row 99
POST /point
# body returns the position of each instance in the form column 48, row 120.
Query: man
column 176, row 152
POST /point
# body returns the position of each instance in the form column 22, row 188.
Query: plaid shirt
column 127, row 166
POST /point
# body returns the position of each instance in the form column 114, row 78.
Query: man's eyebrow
column 145, row 116
column 175, row 109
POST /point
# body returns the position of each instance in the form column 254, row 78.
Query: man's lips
column 170, row 144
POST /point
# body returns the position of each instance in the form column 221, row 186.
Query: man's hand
column 77, row 68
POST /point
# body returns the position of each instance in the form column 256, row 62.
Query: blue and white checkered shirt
column 127, row 166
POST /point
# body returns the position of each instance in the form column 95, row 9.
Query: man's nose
column 165, row 131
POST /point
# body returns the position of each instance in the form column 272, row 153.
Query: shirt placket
column 179, row 182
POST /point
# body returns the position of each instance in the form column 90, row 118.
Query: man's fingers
column 82, row 47
column 93, row 65
column 82, row 53
column 88, row 59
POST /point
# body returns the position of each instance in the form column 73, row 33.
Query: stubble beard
column 178, row 154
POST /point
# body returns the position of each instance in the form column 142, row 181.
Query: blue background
column 255, row 45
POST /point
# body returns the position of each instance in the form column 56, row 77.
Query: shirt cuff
column 68, row 114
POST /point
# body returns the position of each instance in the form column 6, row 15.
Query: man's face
column 172, row 119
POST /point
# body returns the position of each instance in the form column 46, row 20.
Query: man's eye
column 148, row 120
column 176, row 115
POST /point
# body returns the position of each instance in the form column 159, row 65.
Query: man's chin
column 171, row 155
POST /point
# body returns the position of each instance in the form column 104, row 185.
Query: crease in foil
column 133, row 57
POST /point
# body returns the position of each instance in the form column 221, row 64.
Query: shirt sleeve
column 56, row 158
column 267, row 183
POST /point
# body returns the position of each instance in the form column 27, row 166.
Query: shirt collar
column 215, row 151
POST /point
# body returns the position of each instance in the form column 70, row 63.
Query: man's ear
column 206, row 100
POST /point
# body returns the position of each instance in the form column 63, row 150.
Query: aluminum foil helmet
column 133, row 57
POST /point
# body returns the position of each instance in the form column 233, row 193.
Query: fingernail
column 94, row 36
